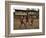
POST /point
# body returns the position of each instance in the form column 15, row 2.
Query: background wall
column 2, row 18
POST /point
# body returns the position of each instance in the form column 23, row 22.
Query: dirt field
column 26, row 25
